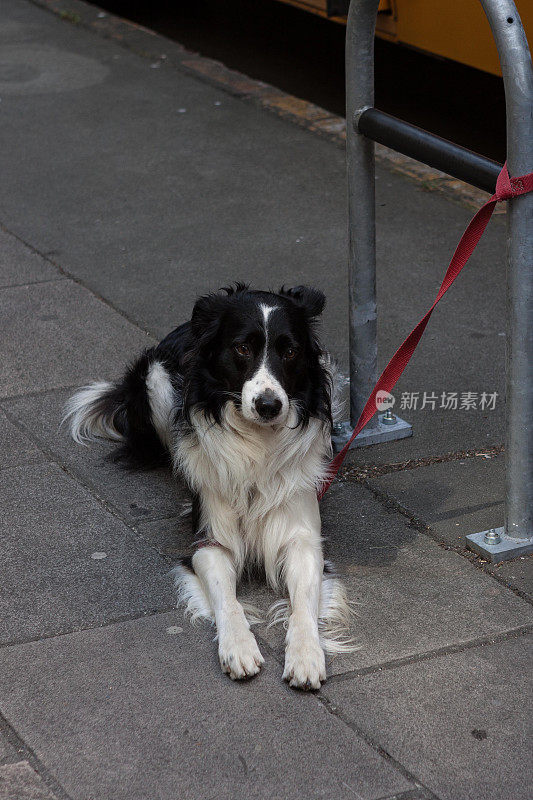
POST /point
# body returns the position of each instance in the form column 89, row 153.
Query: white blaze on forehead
column 262, row 380
column 266, row 311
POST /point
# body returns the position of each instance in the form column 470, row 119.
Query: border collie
column 240, row 400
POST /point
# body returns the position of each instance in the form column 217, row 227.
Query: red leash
column 506, row 188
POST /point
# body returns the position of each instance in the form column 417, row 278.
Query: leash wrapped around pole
column 506, row 188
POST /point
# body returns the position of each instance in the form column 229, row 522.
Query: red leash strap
column 506, row 188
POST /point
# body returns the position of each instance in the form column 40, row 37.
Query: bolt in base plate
column 379, row 433
column 503, row 551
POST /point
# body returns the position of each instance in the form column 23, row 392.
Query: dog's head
column 259, row 351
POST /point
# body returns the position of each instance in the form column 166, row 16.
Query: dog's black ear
column 235, row 288
column 206, row 317
column 208, row 310
column 311, row 300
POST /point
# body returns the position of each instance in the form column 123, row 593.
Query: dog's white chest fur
column 251, row 474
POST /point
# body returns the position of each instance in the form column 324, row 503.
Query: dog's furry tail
column 136, row 413
column 97, row 411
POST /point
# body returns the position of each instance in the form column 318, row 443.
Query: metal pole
column 433, row 150
column 516, row 537
column 360, row 30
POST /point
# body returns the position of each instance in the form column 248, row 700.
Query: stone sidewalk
column 128, row 187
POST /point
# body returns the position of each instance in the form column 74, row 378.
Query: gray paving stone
column 67, row 563
column 21, row 782
column 518, row 573
column 458, row 498
column 461, row 723
column 455, row 498
column 139, row 495
column 20, row 264
column 176, row 203
column 412, row 595
column 58, row 334
column 8, row 753
column 172, row 536
column 132, row 712
column 16, row 448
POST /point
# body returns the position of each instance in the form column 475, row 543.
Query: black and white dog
column 240, row 398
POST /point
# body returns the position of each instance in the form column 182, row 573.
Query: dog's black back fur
column 129, row 406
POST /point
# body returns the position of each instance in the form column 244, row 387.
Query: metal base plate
column 382, row 432
column 503, row 551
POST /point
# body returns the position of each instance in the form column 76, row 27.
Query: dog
column 240, row 400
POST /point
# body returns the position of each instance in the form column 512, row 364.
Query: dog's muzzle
column 268, row 405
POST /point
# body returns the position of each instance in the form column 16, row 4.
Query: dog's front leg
column 237, row 649
column 305, row 665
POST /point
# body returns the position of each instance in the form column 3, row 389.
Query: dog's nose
column 268, row 405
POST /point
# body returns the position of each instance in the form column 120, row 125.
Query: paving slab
column 172, row 536
column 436, row 433
column 20, row 264
column 137, row 710
column 412, row 596
column 20, row 782
column 461, row 723
column 457, row 498
column 8, row 753
column 15, row 446
column 68, row 563
column 139, row 495
column 200, row 188
column 59, row 334
column 517, row 574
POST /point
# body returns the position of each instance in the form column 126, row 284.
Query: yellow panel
column 456, row 29
column 386, row 20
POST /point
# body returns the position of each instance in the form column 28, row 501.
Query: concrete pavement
column 128, row 188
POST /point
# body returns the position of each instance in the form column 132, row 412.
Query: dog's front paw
column 239, row 654
column 305, row 664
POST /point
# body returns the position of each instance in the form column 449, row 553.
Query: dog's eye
column 242, row 350
column 290, row 353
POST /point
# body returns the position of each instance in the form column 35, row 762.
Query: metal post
column 516, row 537
column 360, row 30
column 430, row 149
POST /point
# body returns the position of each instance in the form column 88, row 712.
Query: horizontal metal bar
column 428, row 148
